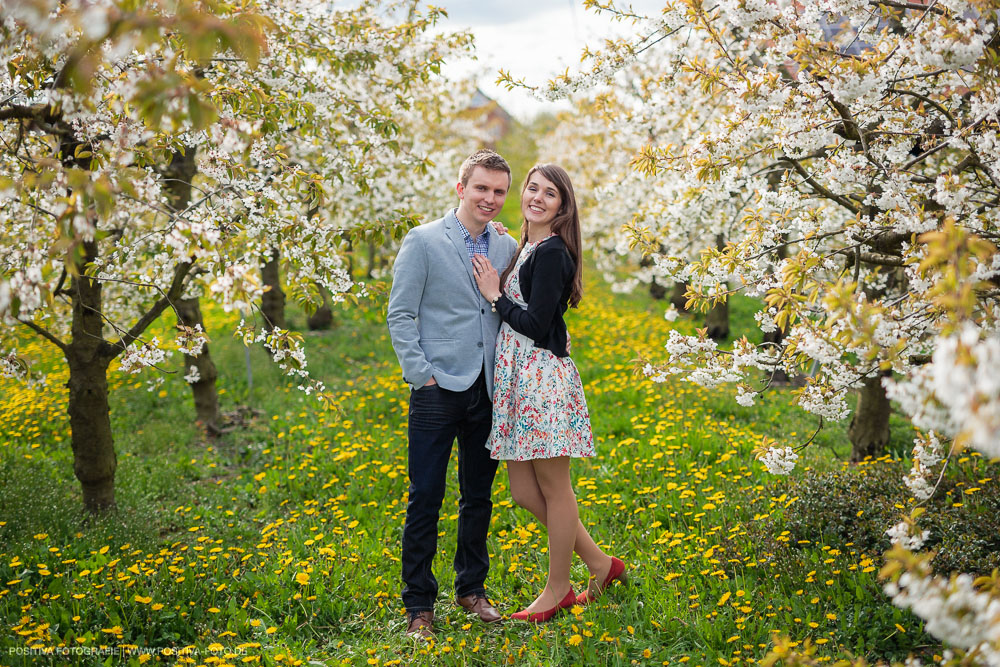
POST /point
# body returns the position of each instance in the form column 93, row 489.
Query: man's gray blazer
column 440, row 324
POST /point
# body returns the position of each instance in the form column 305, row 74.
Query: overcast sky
column 532, row 39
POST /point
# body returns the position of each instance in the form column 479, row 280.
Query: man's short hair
column 482, row 158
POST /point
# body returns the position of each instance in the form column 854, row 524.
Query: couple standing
column 515, row 396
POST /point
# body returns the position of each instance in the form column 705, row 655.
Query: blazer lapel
column 494, row 254
column 451, row 224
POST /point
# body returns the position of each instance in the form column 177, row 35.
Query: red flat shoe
column 617, row 571
column 548, row 614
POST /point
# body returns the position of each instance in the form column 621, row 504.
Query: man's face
column 483, row 196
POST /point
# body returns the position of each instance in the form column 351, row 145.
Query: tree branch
column 934, row 149
column 881, row 260
column 923, row 98
column 20, row 112
column 171, row 295
column 915, row 6
column 785, row 244
column 44, row 333
column 969, row 161
column 819, row 189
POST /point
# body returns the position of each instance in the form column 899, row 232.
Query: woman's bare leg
column 526, row 493
column 562, row 520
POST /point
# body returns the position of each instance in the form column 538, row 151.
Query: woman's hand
column 486, row 277
column 498, row 227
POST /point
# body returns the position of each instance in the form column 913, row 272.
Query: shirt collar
column 466, row 234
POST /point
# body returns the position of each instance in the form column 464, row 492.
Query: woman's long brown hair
column 566, row 225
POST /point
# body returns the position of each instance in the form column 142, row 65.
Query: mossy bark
column 869, row 429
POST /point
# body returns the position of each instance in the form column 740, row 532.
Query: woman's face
column 541, row 200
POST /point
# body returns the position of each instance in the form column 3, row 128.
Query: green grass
column 279, row 542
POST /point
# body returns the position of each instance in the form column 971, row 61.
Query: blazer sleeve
column 409, row 275
column 551, row 270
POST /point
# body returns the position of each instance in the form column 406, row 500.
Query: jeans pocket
column 429, row 408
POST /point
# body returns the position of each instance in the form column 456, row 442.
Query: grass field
column 279, row 543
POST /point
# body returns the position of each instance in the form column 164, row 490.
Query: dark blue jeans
column 437, row 418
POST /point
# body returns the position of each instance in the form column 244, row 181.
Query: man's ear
column 460, row 189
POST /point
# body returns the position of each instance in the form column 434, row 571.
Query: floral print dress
column 539, row 410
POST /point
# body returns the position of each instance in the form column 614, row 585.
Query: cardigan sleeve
column 552, row 269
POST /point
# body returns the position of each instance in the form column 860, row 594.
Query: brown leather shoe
column 421, row 624
column 480, row 605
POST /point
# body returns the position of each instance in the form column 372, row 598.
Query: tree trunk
column 717, row 321
column 349, row 251
column 206, row 397
column 778, row 376
column 869, row 429
column 180, row 174
column 94, row 459
column 323, row 317
column 371, row 259
column 677, row 297
column 656, row 290
column 273, row 302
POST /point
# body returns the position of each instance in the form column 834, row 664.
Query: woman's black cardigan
column 546, row 284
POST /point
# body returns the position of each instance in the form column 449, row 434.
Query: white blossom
column 902, row 535
column 779, row 460
column 136, row 357
column 193, row 375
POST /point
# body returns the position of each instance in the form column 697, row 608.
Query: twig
column 44, row 333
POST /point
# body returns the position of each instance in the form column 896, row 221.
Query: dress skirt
column 539, row 410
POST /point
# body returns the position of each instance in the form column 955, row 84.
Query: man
column 444, row 333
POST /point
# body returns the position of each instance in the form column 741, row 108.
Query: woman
column 540, row 418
